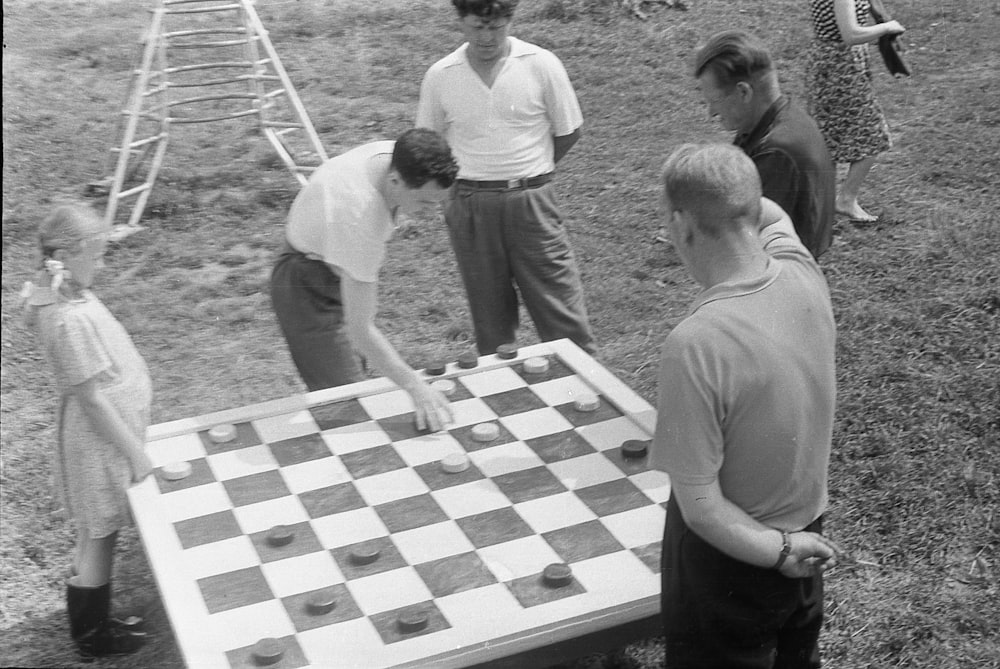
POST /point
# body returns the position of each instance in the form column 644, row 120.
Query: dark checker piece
column 468, row 360
column 557, row 575
column 436, row 368
column 635, row 448
column 506, row 351
column 412, row 620
column 280, row 536
column 268, row 651
column 321, row 603
column 365, row 554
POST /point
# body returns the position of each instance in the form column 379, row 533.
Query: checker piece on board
column 455, row 463
column 536, row 365
column 506, row 351
column 634, row 449
column 468, row 360
column 221, row 434
column 587, row 402
column 446, row 387
column 279, row 536
column 557, row 575
column 268, row 651
column 320, row 603
column 365, row 554
column 175, row 471
column 486, row 432
column 412, row 620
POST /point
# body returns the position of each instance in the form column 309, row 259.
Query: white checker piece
column 484, row 617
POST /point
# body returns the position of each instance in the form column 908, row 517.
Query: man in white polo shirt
column 509, row 112
column 324, row 287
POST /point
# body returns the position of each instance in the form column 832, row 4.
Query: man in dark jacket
column 737, row 79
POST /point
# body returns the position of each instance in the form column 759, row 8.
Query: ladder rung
column 208, row 66
column 133, row 191
column 207, row 31
column 213, row 82
column 175, row 120
column 144, row 142
column 278, row 92
column 203, row 10
column 209, row 45
column 210, row 98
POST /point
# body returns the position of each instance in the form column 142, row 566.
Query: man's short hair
column 422, row 155
column 718, row 184
column 486, row 9
column 733, row 56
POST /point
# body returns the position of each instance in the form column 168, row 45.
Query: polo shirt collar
column 727, row 290
column 518, row 48
column 763, row 125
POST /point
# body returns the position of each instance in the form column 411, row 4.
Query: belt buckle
column 515, row 183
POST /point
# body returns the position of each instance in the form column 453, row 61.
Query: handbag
column 888, row 45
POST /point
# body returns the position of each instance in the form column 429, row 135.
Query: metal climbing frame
column 228, row 59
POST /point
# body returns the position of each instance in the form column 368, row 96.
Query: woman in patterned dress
column 839, row 83
column 104, row 409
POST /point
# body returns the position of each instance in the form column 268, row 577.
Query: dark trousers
column 510, row 241
column 720, row 613
column 305, row 294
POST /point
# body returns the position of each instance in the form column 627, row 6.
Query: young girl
column 104, row 409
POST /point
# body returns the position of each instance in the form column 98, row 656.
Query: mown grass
column 914, row 477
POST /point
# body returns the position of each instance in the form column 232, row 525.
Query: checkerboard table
column 326, row 533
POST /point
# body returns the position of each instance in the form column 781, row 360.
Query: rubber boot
column 96, row 634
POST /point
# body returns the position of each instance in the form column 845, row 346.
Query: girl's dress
column 839, row 85
column 83, row 340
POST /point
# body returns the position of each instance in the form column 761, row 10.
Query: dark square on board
column 254, row 488
column 494, row 527
column 532, row 590
column 614, row 496
column 410, row 512
column 207, row 529
column 339, row 414
column 332, row 499
column 388, row 558
column 527, row 484
column 510, row 402
column 303, row 541
column 582, row 541
column 455, row 573
column 200, row 474
column 387, row 622
column 344, row 608
column 291, row 658
column 233, row 589
column 560, row 446
column 297, row 450
column 371, row 461
column 606, row 411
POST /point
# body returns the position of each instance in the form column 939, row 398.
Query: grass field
column 914, row 473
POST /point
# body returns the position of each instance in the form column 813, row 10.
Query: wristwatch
column 786, row 549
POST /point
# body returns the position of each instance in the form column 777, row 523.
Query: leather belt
column 510, row 184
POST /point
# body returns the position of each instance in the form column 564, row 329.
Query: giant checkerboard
column 345, row 468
